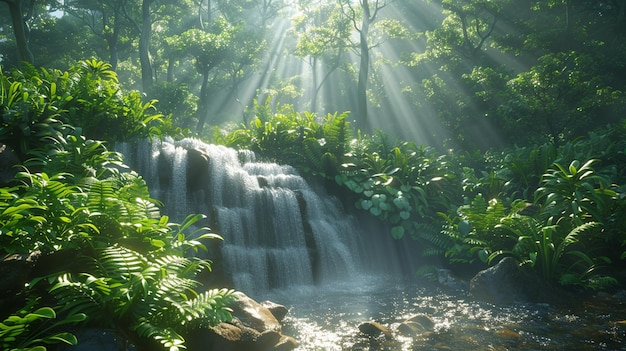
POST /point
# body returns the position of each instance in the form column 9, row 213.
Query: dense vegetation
column 455, row 73
column 558, row 209
column 104, row 255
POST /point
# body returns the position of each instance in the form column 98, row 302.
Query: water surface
column 327, row 318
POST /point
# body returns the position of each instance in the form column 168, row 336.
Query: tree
column 109, row 20
column 208, row 50
column 144, row 45
column 556, row 98
column 362, row 16
column 324, row 37
column 16, row 10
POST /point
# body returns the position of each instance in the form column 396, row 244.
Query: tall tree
column 324, row 38
column 16, row 10
column 362, row 15
column 144, row 45
column 110, row 20
column 208, row 50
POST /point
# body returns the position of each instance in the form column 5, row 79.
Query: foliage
column 575, row 192
column 315, row 145
column 28, row 330
column 556, row 98
column 136, row 271
column 155, row 299
column 555, row 251
column 42, row 104
column 126, row 248
column 398, row 182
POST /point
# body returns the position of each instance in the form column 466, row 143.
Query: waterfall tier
column 278, row 230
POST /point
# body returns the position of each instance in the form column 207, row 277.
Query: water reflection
column 327, row 319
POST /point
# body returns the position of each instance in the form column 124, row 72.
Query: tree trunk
column 364, row 64
column 171, row 61
column 203, row 110
column 19, row 30
column 144, row 45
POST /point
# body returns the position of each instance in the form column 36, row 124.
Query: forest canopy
column 447, row 73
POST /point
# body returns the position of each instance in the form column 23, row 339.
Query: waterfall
column 278, row 230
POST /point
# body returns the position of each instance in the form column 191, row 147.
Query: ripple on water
column 327, row 319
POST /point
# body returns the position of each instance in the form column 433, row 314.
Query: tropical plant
column 41, row 104
column 28, row 330
column 314, row 145
column 150, row 299
column 554, row 250
column 134, row 263
column 576, row 192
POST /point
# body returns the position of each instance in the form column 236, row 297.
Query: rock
column 410, row 329
column 416, row 325
column 263, row 181
column 253, row 314
column 446, row 279
column 268, row 339
column 507, row 282
column 505, row 333
column 279, row 311
column 253, row 327
column 223, row 337
column 286, row 343
column 197, row 169
column 8, row 163
column 374, row 329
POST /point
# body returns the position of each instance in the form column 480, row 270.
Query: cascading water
column 279, row 232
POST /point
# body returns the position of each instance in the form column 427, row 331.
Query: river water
column 327, row 319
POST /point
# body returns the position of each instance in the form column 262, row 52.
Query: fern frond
column 119, row 262
column 82, row 295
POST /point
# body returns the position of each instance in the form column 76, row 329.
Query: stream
column 327, row 319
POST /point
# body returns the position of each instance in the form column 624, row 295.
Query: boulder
column 410, row 329
column 286, row 343
column 447, row 279
column 507, row 282
column 279, row 311
column 223, row 337
column 197, row 169
column 253, row 327
column 253, row 314
column 416, row 325
column 374, row 329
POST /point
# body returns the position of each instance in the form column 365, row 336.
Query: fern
column 157, row 299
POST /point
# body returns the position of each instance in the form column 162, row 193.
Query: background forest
column 480, row 129
column 459, row 74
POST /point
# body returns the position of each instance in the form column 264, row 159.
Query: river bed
column 327, row 319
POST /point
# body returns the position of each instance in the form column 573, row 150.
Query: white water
column 281, row 233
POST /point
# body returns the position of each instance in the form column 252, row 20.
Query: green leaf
column 397, row 232
column 366, row 204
